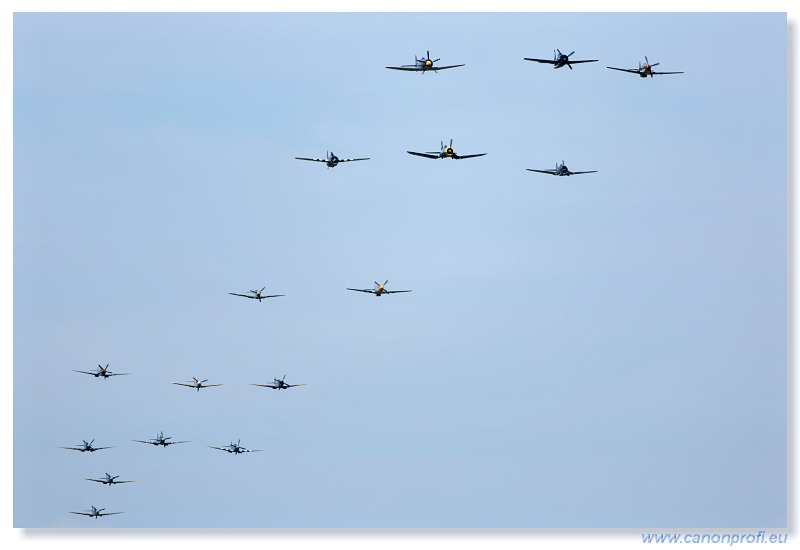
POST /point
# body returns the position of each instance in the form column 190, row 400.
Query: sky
column 601, row 351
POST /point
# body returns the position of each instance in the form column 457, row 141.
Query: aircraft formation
column 421, row 65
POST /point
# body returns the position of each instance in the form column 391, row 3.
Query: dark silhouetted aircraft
column 560, row 59
column 86, row 446
column 279, row 384
column 95, row 513
column 161, row 440
column 104, row 372
column 561, row 170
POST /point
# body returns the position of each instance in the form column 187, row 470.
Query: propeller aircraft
column 196, row 384
column 645, row 70
column 560, row 59
column 160, row 439
column 424, row 64
column 95, row 513
column 330, row 159
column 104, row 372
column 378, row 289
column 256, row 295
column 444, row 152
column 108, row 480
column 560, row 170
column 86, row 446
column 279, row 384
column 235, row 448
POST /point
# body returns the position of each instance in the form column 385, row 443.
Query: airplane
column 257, row 295
column 235, row 448
column 95, row 513
column 561, row 170
column 644, row 70
column 424, row 64
column 196, row 384
column 378, row 289
column 108, row 480
column 161, row 440
column 86, row 446
column 279, row 384
column 330, row 159
column 560, row 59
column 104, row 372
column 444, row 152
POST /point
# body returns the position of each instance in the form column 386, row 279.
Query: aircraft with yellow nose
column 378, row 289
column 444, row 152
column 424, row 64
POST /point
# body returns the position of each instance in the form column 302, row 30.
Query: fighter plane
column 256, row 295
column 95, row 513
column 86, row 446
column 378, row 289
column 644, row 70
column 104, row 372
column 561, row 170
column 444, row 152
column 235, row 448
column 424, row 64
column 279, row 384
column 330, row 159
column 196, row 384
column 160, row 439
column 560, row 59
column 108, row 480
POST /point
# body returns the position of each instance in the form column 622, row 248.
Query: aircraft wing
column 662, row 72
column 459, row 157
column 184, row 384
column 551, row 172
column 176, row 442
column 276, row 295
column 101, row 448
column 83, row 514
column 247, row 295
column 634, row 71
column 250, row 450
column 86, row 372
column 265, row 386
column 295, row 385
column 352, row 160
column 97, row 480
column 445, row 67
column 550, row 61
column 368, row 290
column 219, row 448
column 582, row 61
column 209, row 385
column 109, row 513
column 118, row 373
column 394, row 291
column 589, row 172
column 150, row 442
column 304, row 158
column 426, row 155
column 407, row 68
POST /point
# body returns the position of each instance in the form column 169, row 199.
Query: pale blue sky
column 606, row 350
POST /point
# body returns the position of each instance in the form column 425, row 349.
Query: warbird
column 330, row 159
column 196, row 384
column 235, row 448
column 560, row 59
column 104, row 372
column 424, row 64
column 279, row 384
column 161, row 440
column 256, row 295
column 108, row 480
column 95, row 513
column 560, row 170
column 86, row 446
column 644, row 70
column 378, row 289
column 444, row 152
